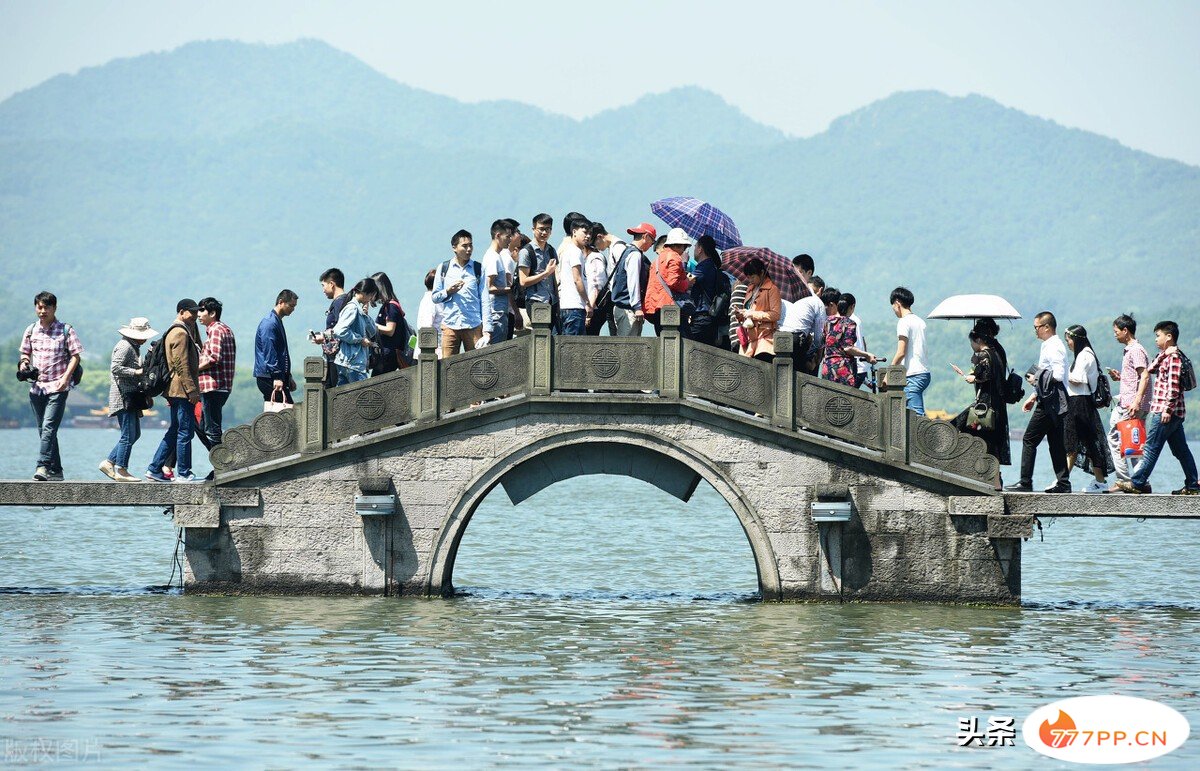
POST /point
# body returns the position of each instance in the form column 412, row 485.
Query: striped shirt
column 221, row 351
column 50, row 349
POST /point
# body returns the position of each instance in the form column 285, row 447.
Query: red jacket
column 670, row 267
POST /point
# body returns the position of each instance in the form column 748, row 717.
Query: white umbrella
column 974, row 306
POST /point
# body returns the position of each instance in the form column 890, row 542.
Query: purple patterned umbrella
column 698, row 218
column 779, row 268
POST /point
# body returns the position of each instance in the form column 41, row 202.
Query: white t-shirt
column 789, row 318
column 912, row 327
column 597, row 272
column 568, row 297
column 429, row 314
column 1084, row 374
column 494, row 265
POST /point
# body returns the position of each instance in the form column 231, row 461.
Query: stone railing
column 671, row 368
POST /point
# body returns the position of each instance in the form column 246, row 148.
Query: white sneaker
column 1096, row 487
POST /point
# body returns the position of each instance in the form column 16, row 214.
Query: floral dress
column 840, row 334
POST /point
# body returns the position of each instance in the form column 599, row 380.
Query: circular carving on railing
column 272, row 431
column 484, row 374
column 938, row 438
column 726, row 378
column 605, row 363
column 370, row 404
column 231, row 452
column 839, row 411
column 983, row 465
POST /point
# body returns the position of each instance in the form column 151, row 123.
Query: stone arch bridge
column 369, row 487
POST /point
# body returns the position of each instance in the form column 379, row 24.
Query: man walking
column 457, row 287
column 537, row 264
column 217, row 359
column 910, row 349
column 629, row 285
column 1133, row 401
column 1050, row 396
column 272, row 361
column 49, row 357
column 182, row 351
column 333, row 283
column 498, row 289
column 1164, row 426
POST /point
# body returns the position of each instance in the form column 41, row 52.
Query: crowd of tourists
column 594, row 281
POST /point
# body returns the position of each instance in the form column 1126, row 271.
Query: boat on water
column 99, row 418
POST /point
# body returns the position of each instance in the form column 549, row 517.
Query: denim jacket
column 352, row 328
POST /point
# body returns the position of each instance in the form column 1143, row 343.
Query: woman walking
column 124, row 400
column 987, row 417
column 760, row 317
column 355, row 330
column 841, row 333
column 392, row 329
column 1083, row 432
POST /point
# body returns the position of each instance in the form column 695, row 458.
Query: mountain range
column 234, row 170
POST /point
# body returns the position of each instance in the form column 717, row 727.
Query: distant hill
column 234, row 170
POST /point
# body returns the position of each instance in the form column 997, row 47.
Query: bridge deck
column 194, row 505
column 1106, row 505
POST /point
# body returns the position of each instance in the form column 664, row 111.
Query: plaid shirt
column 1168, row 396
column 220, row 350
column 50, row 350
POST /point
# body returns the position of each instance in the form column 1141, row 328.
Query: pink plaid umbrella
column 779, row 268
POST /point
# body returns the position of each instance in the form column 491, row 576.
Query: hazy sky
column 1129, row 70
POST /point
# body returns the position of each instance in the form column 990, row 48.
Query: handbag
column 276, row 406
column 981, row 417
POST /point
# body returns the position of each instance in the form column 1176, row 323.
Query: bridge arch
column 530, row 468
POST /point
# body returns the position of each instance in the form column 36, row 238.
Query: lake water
column 605, row 623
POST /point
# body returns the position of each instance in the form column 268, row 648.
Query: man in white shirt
column 810, row 324
column 1050, row 398
column 498, row 286
column 910, row 349
column 860, row 341
column 573, row 303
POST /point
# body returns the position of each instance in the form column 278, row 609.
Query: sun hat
column 644, row 228
column 676, row 237
column 138, row 328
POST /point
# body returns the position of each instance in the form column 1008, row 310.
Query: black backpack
column 1187, row 373
column 1102, row 396
column 718, row 307
column 156, row 375
column 1014, row 387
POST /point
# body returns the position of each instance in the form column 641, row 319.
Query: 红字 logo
column 1105, row 729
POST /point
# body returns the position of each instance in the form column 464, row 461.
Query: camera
column 28, row 372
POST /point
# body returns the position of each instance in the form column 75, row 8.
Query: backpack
column 718, row 305
column 1102, row 396
column 156, row 374
column 1014, row 387
column 1187, row 373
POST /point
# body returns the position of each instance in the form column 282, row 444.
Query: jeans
column 1043, row 425
column 48, row 410
column 178, row 437
column 131, row 430
column 347, row 375
column 573, row 321
column 914, row 391
column 1170, row 434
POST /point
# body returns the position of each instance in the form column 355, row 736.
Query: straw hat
column 138, row 329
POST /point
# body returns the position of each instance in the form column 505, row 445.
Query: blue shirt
column 271, row 358
column 464, row 308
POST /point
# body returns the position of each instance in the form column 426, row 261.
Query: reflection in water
column 600, row 626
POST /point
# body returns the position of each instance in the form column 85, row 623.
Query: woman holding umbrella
column 987, row 417
column 760, row 317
